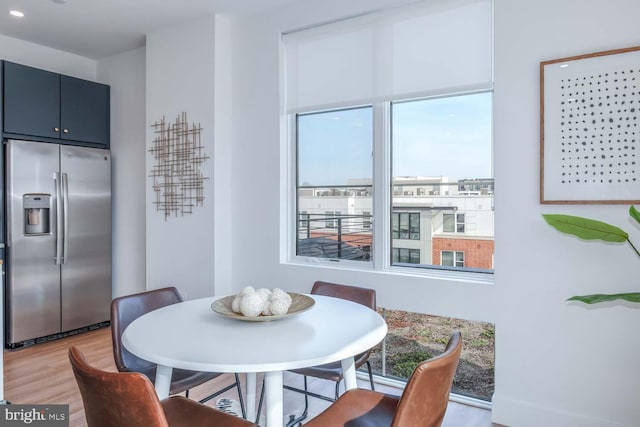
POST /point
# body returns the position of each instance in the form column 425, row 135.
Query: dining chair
column 333, row 371
column 125, row 310
column 116, row 399
column 423, row 402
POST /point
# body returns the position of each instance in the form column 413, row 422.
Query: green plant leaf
column 585, row 228
column 635, row 214
column 596, row 298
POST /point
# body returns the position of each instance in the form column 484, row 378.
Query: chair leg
column 370, row 375
column 227, row 388
column 242, row 408
column 260, row 403
column 306, row 401
column 292, row 420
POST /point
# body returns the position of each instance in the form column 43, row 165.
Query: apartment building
column 434, row 221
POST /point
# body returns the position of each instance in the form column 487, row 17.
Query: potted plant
column 589, row 229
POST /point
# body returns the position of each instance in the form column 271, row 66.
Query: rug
column 232, row 406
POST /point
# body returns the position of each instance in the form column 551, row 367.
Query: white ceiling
column 100, row 28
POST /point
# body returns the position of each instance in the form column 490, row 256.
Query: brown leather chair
column 422, row 404
column 117, row 399
column 333, row 371
column 125, row 310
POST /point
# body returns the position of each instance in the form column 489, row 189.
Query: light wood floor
column 41, row 374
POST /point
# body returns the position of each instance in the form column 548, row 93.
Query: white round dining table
column 190, row 335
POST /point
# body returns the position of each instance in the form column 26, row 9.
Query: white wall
column 187, row 251
column 125, row 73
column 222, row 156
column 557, row 364
column 57, row 61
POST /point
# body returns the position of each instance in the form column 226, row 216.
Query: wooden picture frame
column 590, row 128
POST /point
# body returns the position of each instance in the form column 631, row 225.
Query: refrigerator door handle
column 65, row 214
column 59, row 213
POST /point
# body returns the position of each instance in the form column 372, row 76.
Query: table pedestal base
column 274, row 396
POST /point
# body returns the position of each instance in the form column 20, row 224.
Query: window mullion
column 381, row 188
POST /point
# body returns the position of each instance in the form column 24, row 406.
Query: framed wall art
column 177, row 172
column 590, row 128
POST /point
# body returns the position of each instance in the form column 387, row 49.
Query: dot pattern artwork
column 590, row 128
column 599, row 127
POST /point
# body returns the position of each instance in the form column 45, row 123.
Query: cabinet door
column 84, row 111
column 31, row 101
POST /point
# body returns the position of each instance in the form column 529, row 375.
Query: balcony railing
column 334, row 236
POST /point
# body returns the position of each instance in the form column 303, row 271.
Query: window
column 331, row 219
column 433, row 136
column 411, row 336
column 453, row 223
column 382, row 108
column 366, row 220
column 406, row 256
column 452, row 259
column 405, row 226
column 304, row 220
column 334, row 178
column 436, row 143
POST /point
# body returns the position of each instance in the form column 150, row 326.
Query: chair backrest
column 425, row 398
column 364, row 296
column 116, row 399
column 125, row 310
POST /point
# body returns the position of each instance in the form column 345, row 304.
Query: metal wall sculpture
column 177, row 175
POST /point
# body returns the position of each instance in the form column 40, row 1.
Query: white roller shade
column 424, row 49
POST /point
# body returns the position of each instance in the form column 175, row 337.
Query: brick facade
column 477, row 253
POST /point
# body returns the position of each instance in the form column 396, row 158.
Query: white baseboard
column 518, row 413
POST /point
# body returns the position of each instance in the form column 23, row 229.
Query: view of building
column 434, row 222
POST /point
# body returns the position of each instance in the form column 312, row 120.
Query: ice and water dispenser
column 36, row 214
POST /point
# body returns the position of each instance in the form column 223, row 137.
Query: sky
column 435, row 137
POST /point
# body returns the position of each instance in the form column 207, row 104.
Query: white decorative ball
column 251, row 304
column 280, row 302
column 235, row 304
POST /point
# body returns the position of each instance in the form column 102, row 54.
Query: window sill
column 480, row 278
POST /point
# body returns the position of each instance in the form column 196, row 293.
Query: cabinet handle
column 56, row 129
column 66, row 131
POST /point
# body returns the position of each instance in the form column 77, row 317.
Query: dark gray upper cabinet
column 31, row 101
column 84, row 110
column 51, row 107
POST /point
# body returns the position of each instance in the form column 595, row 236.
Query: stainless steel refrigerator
column 58, row 243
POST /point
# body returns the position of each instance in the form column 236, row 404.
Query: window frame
column 382, row 194
column 454, row 258
column 367, row 220
column 303, row 219
column 289, row 251
column 410, row 226
column 458, row 226
column 330, row 220
column 411, row 252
